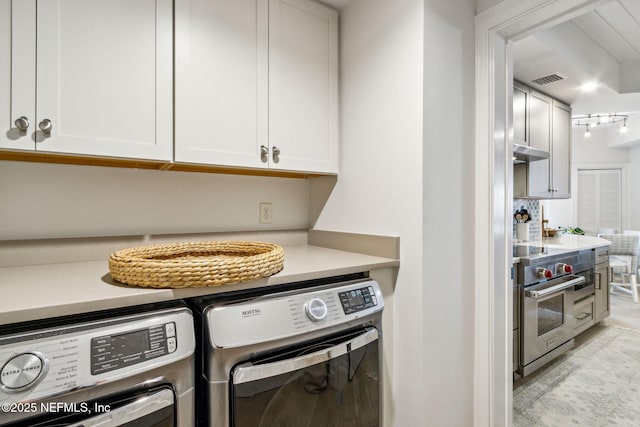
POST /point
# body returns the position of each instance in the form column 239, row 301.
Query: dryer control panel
column 292, row 313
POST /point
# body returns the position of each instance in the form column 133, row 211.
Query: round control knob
column 545, row 273
column 564, row 268
column 316, row 309
column 23, row 371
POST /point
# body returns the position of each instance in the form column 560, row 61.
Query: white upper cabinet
column 256, row 84
column 17, row 73
column 303, row 86
column 221, row 82
column 103, row 77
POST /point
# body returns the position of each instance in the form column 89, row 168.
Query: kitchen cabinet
column 602, row 281
column 583, row 311
column 88, row 78
column 520, row 114
column 560, row 177
column 256, row 84
column 548, row 128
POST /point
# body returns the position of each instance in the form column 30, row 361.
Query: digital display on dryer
column 357, row 299
column 112, row 352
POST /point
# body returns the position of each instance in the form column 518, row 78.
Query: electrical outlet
column 266, row 213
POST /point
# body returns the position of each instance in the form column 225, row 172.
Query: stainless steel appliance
column 548, row 284
column 132, row 367
column 303, row 357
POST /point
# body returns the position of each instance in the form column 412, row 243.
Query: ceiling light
column 594, row 120
column 589, row 87
column 587, row 133
column 624, row 127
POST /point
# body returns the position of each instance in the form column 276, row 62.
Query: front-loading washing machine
column 132, row 367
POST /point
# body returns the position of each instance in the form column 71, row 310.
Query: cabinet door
column 602, row 291
column 303, row 86
column 540, row 137
column 17, row 72
column 520, row 114
column 221, row 82
column 104, row 77
column 561, row 151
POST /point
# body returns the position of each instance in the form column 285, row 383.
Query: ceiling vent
column 555, row 77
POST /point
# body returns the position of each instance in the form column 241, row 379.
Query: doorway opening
column 496, row 29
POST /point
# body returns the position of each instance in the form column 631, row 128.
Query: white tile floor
column 624, row 312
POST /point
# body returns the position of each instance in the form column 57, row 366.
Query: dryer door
column 336, row 379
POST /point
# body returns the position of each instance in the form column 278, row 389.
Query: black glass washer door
column 326, row 385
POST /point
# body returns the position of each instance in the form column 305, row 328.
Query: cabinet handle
column 583, row 316
column 275, row 154
column 264, row 154
column 599, row 280
column 46, row 126
column 22, row 123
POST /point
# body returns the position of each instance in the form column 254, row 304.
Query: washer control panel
column 316, row 309
column 50, row 362
column 23, row 371
column 292, row 313
column 111, row 352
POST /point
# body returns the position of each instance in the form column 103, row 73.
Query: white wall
column 407, row 139
column 49, row 200
column 483, row 5
column 633, row 189
column 448, row 204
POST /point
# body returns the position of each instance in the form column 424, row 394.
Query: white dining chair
column 623, row 262
column 602, row 231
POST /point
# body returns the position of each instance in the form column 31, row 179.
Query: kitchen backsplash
column 533, row 207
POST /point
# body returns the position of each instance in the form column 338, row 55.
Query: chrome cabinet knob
column 46, row 126
column 276, row 154
column 264, row 153
column 22, row 123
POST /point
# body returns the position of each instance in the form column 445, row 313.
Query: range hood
column 524, row 154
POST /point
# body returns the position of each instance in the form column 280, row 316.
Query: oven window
column 341, row 391
column 550, row 314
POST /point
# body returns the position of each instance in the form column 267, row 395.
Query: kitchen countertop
column 570, row 242
column 50, row 290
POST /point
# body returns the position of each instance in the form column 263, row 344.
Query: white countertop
column 570, row 242
column 51, row 290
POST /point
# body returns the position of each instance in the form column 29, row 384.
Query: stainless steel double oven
column 292, row 356
column 549, row 284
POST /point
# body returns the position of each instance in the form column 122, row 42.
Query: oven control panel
column 287, row 314
column 111, row 352
column 50, row 362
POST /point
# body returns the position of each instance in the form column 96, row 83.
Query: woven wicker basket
column 195, row 264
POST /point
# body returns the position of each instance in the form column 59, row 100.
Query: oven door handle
column 130, row 412
column 249, row 372
column 556, row 288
